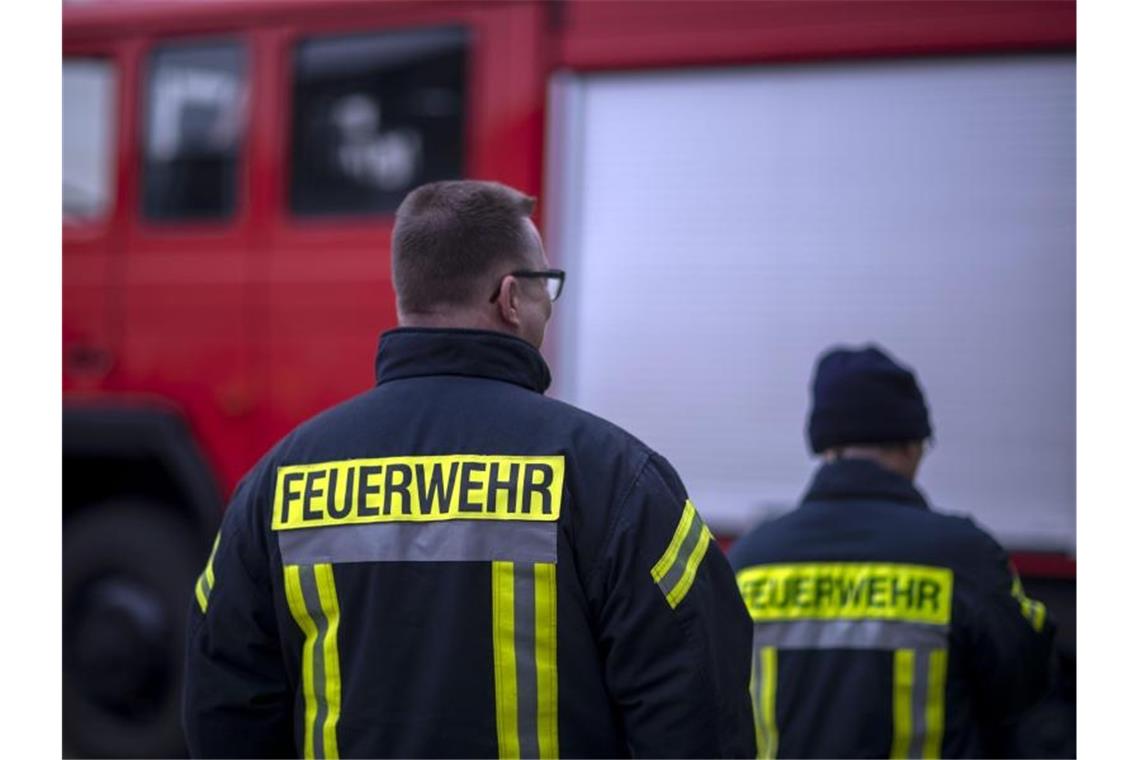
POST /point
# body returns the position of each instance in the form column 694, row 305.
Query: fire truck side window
column 194, row 124
column 374, row 116
column 88, row 138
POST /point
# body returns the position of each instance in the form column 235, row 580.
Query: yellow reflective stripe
column 768, row 701
column 670, row 555
column 205, row 582
column 326, row 590
column 678, row 592
column 503, row 642
column 296, row 599
column 935, row 705
column 210, row 562
column 1031, row 609
column 546, row 657
column 311, row 593
column 903, row 686
column 200, row 593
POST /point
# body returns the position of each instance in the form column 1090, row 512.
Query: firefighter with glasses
column 452, row 564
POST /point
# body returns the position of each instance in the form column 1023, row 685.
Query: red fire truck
column 230, row 173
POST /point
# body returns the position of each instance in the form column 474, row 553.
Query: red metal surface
column 625, row 34
column 1045, row 565
column 252, row 325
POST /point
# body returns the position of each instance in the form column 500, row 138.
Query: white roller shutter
column 722, row 227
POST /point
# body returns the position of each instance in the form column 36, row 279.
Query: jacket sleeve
column 1010, row 639
column 674, row 634
column 237, row 701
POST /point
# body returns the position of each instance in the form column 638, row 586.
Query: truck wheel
column 128, row 575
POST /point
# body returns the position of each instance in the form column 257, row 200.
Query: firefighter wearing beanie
column 881, row 627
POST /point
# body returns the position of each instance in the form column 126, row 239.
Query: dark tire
column 128, row 575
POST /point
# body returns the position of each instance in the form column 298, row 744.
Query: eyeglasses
column 555, row 279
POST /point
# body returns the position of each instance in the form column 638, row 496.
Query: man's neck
column 895, row 462
column 467, row 319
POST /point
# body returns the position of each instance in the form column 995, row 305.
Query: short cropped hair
column 449, row 239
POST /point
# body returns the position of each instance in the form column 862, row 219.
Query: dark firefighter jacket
column 883, row 629
column 452, row 564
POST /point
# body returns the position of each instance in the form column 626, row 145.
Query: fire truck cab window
column 194, row 124
column 88, row 138
column 374, row 116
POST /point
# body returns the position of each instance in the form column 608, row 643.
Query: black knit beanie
column 865, row 396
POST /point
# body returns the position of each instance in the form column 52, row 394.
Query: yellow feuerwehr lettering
column 847, row 590
column 419, row 489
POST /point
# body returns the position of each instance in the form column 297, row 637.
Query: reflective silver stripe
column 316, row 612
column 850, row 634
column 526, row 670
column 673, row 575
column 453, row 541
column 918, row 702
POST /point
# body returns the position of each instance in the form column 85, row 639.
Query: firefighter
column 881, row 627
column 451, row 564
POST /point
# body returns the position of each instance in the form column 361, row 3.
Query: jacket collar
column 420, row 351
column 862, row 480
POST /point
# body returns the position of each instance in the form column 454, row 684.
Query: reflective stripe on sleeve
column 676, row 570
column 1031, row 609
column 311, row 593
column 205, row 582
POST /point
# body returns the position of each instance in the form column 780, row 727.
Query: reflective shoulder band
column 676, row 570
column 205, row 582
column 1031, row 609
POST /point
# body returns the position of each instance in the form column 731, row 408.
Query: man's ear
column 917, row 450
column 508, row 300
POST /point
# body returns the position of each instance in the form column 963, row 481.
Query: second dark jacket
column 883, row 628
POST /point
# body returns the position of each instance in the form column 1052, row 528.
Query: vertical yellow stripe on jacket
column 768, row 702
column 296, row 599
column 326, row 586
column 935, row 705
column 319, row 619
column 903, row 688
column 546, row 657
column 503, row 642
